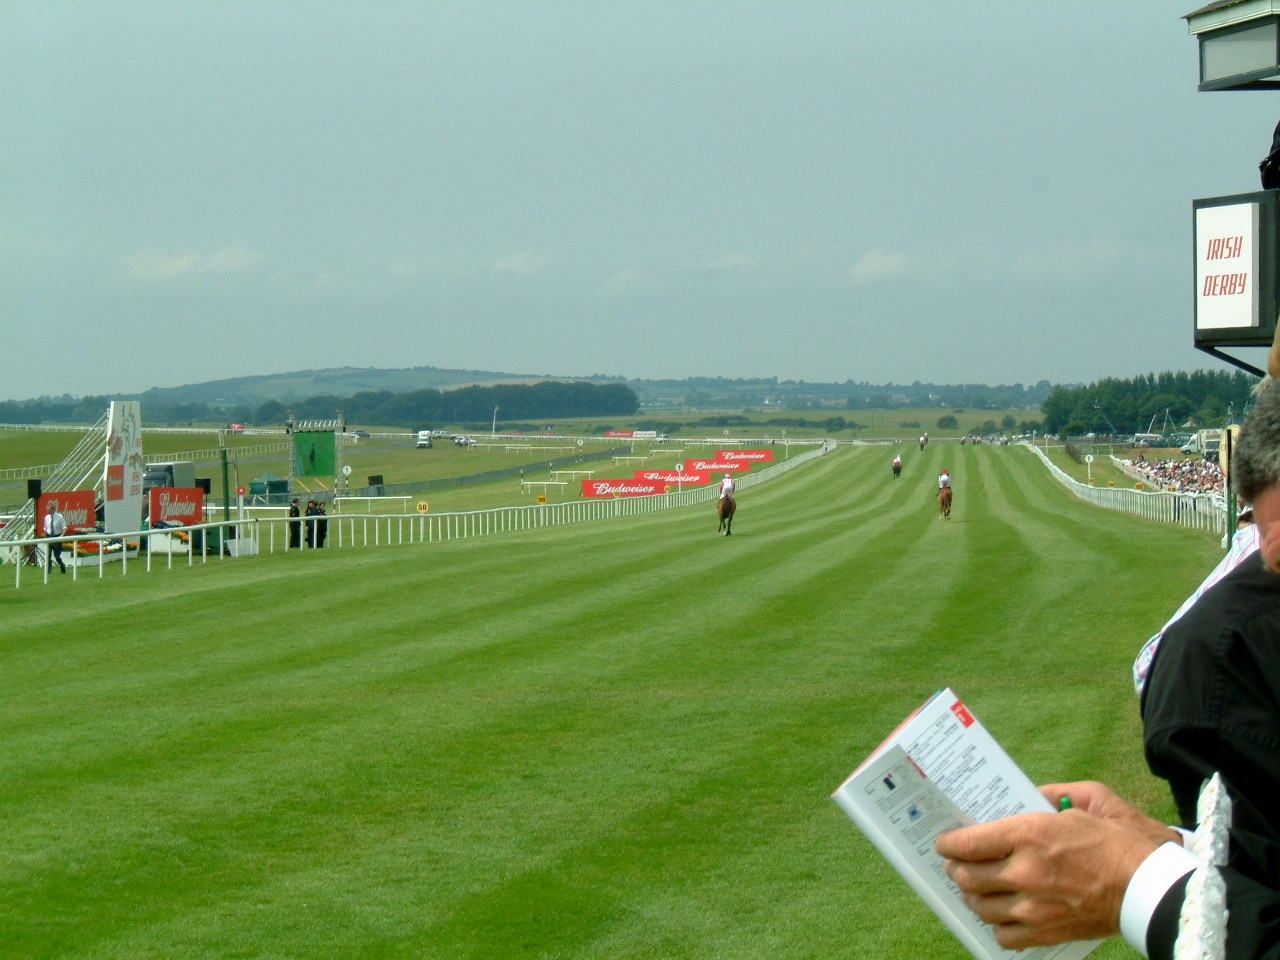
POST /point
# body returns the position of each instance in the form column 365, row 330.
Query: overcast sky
column 870, row 190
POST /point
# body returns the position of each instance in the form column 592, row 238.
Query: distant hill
column 338, row 382
column 696, row 392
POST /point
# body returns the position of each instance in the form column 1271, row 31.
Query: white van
column 424, row 439
column 1202, row 441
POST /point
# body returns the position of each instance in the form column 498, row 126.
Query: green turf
column 616, row 739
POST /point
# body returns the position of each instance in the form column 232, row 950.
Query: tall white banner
column 124, row 468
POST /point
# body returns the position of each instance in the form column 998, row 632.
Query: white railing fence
column 1199, row 511
column 243, row 537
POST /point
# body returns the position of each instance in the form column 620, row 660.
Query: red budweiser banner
column 176, row 506
column 717, row 464
column 694, row 477
column 622, row 488
column 620, row 433
column 78, row 508
column 115, row 482
column 751, row 456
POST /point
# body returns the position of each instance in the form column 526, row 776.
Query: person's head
column 1255, row 470
column 1255, row 462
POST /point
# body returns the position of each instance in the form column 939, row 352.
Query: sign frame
column 1254, row 226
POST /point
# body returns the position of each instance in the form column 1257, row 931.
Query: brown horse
column 727, row 508
column 897, row 468
column 944, row 503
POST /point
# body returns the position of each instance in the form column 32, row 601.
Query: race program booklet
column 940, row 770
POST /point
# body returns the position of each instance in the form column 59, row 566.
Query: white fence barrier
column 223, row 539
column 1199, row 511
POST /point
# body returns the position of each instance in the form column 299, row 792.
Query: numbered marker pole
column 1088, row 466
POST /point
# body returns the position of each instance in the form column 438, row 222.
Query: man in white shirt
column 55, row 525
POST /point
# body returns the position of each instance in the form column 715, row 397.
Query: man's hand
column 1045, row 878
column 1101, row 801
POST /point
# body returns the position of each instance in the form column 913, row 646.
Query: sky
column 958, row 191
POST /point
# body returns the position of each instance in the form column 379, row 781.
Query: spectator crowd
column 1183, row 476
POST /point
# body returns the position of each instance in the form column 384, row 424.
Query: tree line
column 415, row 409
column 1157, row 403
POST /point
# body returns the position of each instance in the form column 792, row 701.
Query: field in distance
column 391, row 453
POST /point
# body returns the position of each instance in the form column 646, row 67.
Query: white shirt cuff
column 1150, row 882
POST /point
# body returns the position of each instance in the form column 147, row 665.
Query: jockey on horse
column 727, row 506
column 727, row 486
column 944, row 495
column 897, row 466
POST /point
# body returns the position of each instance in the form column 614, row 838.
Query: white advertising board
column 122, row 511
column 1227, row 266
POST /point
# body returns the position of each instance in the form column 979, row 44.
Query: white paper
column 939, row 770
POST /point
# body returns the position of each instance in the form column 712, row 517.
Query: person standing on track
column 55, row 525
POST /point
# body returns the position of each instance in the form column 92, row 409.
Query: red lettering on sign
column 1224, row 248
column 1224, row 284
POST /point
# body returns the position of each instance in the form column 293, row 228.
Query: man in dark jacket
column 1211, row 704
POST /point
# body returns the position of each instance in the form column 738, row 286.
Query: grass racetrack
column 611, row 740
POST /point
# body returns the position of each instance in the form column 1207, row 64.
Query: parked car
column 360, row 433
